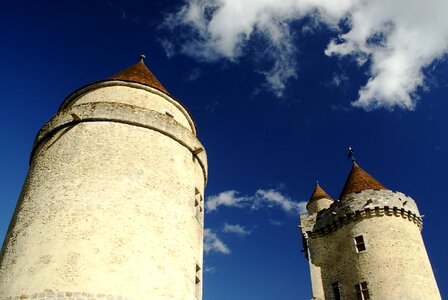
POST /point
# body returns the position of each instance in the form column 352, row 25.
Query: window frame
column 362, row 291
column 336, row 286
column 362, row 243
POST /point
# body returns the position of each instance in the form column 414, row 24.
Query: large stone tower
column 367, row 245
column 112, row 207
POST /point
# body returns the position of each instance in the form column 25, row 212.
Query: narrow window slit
column 198, row 283
column 336, row 290
column 199, row 206
column 362, row 291
column 360, row 243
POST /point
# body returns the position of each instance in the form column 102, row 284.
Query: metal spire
column 142, row 58
column 351, row 154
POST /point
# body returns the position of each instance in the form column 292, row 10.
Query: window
column 336, row 291
column 198, row 205
column 198, row 282
column 360, row 244
column 362, row 292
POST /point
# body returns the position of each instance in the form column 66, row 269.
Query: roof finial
column 351, row 154
column 142, row 58
column 317, row 182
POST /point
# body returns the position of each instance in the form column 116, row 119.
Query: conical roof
column 319, row 193
column 359, row 180
column 139, row 73
column 319, row 200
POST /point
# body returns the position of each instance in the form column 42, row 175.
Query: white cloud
column 398, row 39
column 227, row 198
column 237, row 229
column 271, row 198
column 212, row 243
column 261, row 199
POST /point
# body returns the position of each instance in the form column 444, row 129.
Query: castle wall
column 395, row 264
column 108, row 207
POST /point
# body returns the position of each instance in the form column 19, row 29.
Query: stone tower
column 112, row 207
column 367, row 245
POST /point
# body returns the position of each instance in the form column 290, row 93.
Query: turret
column 367, row 245
column 319, row 200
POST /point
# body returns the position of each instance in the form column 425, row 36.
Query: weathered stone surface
column 107, row 208
column 68, row 296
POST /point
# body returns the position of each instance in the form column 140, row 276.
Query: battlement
column 355, row 206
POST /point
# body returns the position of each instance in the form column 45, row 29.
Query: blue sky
column 278, row 91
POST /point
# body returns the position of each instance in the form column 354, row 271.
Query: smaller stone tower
column 367, row 245
column 319, row 200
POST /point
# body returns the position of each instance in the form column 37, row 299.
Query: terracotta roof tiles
column 359, row 180
column 319, row 193
column 139, row 73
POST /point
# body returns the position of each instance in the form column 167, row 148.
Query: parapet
column 365, row 204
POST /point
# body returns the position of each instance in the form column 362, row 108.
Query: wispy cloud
column 273, row 198
column 340, row 80
column 261, row 199
column 340, row 107
column 236, row 229
column 212, row 243
column 168, row 47
column 227, row 198
column 396, row 39
column 195, row 74
column 209, row 269
column 275, row 222
column 211, row 106
column 124, row 10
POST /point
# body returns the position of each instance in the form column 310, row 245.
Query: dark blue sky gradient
column 253, row 140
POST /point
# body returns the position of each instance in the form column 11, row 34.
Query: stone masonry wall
column 108, row 206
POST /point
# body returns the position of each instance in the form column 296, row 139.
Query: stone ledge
column 125, row 114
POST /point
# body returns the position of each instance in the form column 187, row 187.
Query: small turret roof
column 319, row 193
column 359, row 180
column 141, row 74
column 314, row 205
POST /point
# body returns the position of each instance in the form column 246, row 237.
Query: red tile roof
column 319, row 193
column 139, row 73
column 359, row 180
